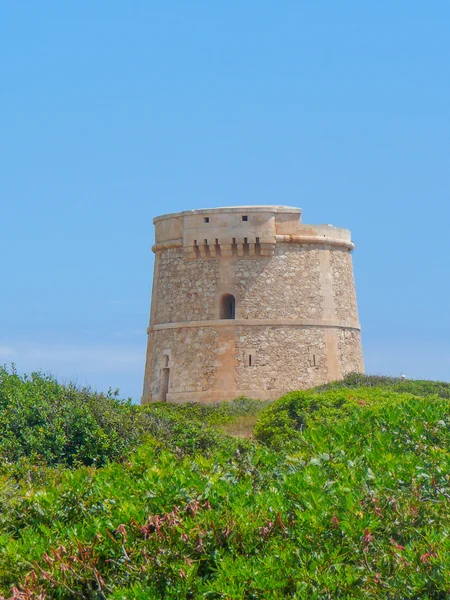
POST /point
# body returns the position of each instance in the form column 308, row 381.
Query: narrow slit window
column 206, row 219
column 250, row 358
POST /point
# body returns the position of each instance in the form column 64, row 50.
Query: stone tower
column 249, row 301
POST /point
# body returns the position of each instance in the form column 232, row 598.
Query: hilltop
column 337, row 492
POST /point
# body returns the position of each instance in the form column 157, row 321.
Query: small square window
column 244, row 217
column 206, row 219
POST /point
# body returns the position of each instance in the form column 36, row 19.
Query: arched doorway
column 228, row 307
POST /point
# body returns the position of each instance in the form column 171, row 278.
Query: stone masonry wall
column 349, row 348
column 286, row 285
column 283, row 286
column 283, row 358
column 186, row 289
column 344, row 285
column 192, row 359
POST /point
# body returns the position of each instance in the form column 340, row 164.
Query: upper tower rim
column 273, row 208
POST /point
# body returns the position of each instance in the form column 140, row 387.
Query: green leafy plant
column 344, row 494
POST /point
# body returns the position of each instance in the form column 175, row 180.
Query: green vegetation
column 395, row 384
column 45, row 423
column 344, row 493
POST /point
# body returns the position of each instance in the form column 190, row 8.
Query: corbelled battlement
column 240, row 231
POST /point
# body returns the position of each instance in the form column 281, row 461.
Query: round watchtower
column 249, row 301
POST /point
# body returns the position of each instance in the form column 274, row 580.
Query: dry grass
column 241, row 426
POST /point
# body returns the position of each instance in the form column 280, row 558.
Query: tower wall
column 295, row 319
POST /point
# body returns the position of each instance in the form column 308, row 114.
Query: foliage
column 47, row 423
column 282, row 423
column 347, row 497
column 396, row 384
column 43, row 422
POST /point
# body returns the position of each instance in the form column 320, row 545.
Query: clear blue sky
column 114, row 112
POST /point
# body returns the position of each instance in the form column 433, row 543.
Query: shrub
column 396, row 384
column 349, row 501
column 47, row 423
column 358, row 509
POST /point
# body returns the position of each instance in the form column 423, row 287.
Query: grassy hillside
column 343, row 493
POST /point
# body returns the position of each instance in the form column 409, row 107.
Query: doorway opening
column 165, row 376
column 228, row 307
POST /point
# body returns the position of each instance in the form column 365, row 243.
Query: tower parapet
column 248, row 300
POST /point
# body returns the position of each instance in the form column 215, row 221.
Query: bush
column 396, row 384
column 53, row 424
column 357, row 509
column 282, row 423
column 349, row 501
column 47, row 423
